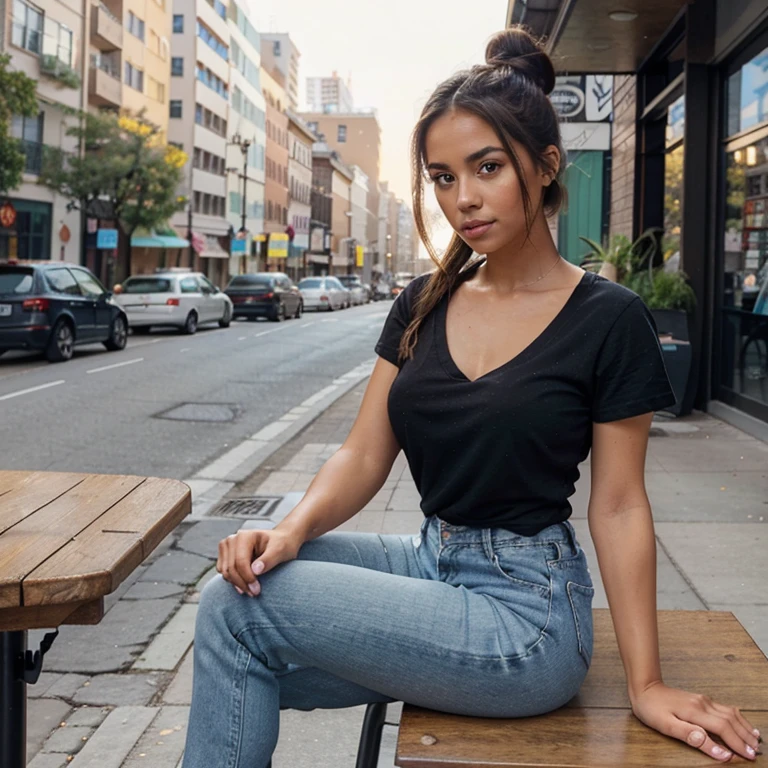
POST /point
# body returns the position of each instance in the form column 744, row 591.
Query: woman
column 496, row 378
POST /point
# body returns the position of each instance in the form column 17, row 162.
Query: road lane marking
column 31, row 389
column 329, row 320
column 306, row 325
column 116, row 365
column 186, row 349
column 241, row 338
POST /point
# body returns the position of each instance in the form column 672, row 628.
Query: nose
column 468, row 196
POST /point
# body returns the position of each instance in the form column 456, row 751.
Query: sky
column 395, row 53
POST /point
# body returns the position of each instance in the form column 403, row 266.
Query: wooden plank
column 49, row 616
column 33, row 540
column 567, row 738
column 705, row 651
column 23, row 493
column 99, row 558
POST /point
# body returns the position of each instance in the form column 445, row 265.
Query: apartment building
column 300, row 140
column 246, row 153
column 328, row 94
column 198, row 123
column 358, row 199
column 357, row 139
column 406, row 247
column 47, row 42
column 279, row 52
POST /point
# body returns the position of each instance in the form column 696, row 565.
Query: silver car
column 323, row 293
column 184, row 300
column 358, row 294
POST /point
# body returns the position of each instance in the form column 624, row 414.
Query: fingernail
column 240, row 591
column 254, row 588
column 258, row 567
column 720, row 752
column 750, row 751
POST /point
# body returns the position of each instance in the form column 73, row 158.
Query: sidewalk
column 117, row 695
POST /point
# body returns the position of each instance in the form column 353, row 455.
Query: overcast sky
column 395, row 53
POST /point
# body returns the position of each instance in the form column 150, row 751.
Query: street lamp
column 244, row 144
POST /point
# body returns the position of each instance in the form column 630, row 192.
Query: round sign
column 7, row 215
column 64, row 233
column 568, row 100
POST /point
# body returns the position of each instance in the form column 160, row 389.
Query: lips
column 476, row 228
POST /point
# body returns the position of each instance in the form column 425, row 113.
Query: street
column 109, row 411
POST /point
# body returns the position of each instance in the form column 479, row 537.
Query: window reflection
column 747, row 99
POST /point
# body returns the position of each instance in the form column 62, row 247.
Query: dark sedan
column 52, row 306
column 264, row 294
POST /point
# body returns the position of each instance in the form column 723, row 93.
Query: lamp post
column 244, row 144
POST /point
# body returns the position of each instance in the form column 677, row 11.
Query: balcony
column 104, row 87
column 106, row 29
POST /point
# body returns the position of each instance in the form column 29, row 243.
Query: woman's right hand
column 245, row 555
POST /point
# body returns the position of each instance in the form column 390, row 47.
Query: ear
column 550, row 164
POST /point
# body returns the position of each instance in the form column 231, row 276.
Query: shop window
column 27, row 29
column 673, row 180
column 30, row 237
column 747, row 95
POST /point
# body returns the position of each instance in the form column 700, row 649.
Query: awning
column 213, row 249
column 160, row 238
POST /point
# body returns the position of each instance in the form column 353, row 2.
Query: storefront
column 25, row 230
column 702, row 180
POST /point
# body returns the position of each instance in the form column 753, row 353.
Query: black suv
column 52, row 306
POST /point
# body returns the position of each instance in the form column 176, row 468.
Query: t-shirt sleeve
column 398, row 320
column 630, row 375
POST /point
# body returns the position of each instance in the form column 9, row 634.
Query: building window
column 276, row 48
column 199, row 114
column 175, row 110
column 212, row 41
column 135, row 26
column 178, row 23
column 29, row 131
column 27, row 27
column 57, row 41
column 177, row 66
column 134, row 77
column 215, row 83
column 341, row 135
column 746, row 99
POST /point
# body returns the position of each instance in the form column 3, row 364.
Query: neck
column 524, row 262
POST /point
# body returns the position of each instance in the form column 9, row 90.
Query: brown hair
column 509, row 92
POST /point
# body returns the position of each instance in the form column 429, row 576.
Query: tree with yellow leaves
column 124, row 173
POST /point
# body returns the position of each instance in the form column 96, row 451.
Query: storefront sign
column 7, row 215
column 64, row 234
column 359, row 256
column 567, row 100
column 278, row 246
column 583, row 98
column 106, row 238
column 316, row 240
column 237, row 247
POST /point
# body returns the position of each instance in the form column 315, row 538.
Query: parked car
column 265, row 294
column 339, row 285
column 352, row 283
column 53, row 306
column 183, row 300
column 323, row 293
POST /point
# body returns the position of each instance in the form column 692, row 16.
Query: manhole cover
column 253, row 506
column 202, row 412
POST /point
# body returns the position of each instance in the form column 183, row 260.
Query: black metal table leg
column 13, row 700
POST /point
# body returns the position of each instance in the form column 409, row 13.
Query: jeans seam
column 576, row 615
column 386, row 552
column 238, row 712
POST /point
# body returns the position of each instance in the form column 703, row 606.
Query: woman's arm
column 621, row 525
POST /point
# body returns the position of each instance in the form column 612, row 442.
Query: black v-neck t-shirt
column 503, row 450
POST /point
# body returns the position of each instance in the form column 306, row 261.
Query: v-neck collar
column 557, row 321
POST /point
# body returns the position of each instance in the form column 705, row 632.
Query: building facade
column 48, row 45
column 328, row 94
column 279, row 52
column 690, row 155
column 358, row 199
column 406, row 244
column 300, row 140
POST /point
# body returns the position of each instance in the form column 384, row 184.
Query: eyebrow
column 474, row 157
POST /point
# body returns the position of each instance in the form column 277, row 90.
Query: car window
column 62, row 281
column 206, row 283
column 147, row 285
column 334, row 282
column 189, row 285
column 89, row 285
column 14, row 280
column 311, row 282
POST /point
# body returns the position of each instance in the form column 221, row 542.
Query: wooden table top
column 701, row 651
column 68, row 539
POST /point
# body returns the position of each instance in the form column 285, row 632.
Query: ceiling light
column 622, row 15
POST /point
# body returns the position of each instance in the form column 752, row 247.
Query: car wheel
column 227, row 319
column 279, row 314
column 299, row 311
column 61, row 344
column 190, row 325
column 118, row 335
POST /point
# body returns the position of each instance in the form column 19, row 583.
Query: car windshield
column 249, row 281
column 16, row 280
column 147, row 285
column 350, row 282
column 311, row 283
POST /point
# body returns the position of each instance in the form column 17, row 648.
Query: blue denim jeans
column 473, row 621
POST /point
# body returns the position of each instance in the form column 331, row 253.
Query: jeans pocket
column 525, row 565
column 580, row 598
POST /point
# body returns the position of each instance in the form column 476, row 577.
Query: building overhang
column 597, row 36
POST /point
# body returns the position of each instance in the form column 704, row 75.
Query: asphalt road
column 104, row 411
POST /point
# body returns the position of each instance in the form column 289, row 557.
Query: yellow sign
column 359, row 255
column 259, row 238
column 278, row 246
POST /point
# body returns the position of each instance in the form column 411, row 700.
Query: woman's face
column 475, row 182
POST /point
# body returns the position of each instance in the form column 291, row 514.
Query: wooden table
column 703, row 651
column 66, row 541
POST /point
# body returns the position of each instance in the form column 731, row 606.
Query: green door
column 584, row 216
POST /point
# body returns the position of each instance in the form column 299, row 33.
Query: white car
column 184, row 300
column 323, row 293
column 358, row 294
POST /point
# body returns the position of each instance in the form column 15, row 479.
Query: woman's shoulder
column 611, row 298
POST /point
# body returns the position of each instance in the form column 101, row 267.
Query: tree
column 125, row 173
column 17, row 97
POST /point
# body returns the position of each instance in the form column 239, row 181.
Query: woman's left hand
column 691, row 717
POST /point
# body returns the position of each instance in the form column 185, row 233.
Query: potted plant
column 620, row 257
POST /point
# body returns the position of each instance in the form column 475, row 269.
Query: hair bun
column 517, row 49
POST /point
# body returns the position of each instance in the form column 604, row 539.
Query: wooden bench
column 703, row 651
